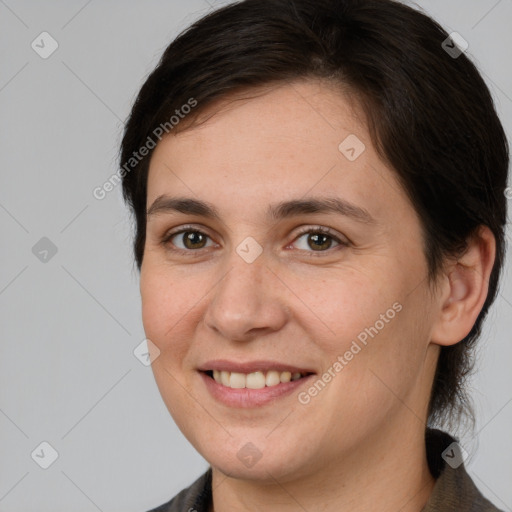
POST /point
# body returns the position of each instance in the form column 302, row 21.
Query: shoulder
column 454, row 490
column 195, row 498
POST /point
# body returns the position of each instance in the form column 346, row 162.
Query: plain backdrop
column 69, row 299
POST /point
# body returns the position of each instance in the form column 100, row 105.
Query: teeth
column 286, row 377
column 272, row 379
column 237, row 380
column 254, row 380
column 224, row 378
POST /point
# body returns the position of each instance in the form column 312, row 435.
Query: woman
column 318, row 189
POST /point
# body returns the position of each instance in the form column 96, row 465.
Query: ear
column 464, row 288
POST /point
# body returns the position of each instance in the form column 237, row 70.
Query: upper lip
column 251, row 366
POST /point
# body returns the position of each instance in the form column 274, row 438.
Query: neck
column 390, row 471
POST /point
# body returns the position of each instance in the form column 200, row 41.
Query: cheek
column 167, row 315
column 376, row 325
column 167, row 303
column 384, row 358
column 349, row 306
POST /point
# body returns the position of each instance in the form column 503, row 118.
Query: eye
column 318, row 239
column 187, row 239
column 313, row 240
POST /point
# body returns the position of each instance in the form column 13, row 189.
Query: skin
column 360, row 440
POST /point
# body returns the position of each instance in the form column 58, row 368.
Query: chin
column 264, row 471
column 261, row 459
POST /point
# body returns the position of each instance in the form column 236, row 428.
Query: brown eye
column 193, row 239
column 187, row 240
column 319, row 241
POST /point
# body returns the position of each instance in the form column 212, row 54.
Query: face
column 288, row 303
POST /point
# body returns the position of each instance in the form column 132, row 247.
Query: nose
column 248, row 302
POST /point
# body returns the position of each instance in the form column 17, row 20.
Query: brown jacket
column 454, row 491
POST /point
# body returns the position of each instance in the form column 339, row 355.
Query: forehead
column 281, row 142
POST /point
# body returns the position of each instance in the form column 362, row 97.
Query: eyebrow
column 277, row 211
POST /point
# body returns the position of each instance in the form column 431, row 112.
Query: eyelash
column 311, row 230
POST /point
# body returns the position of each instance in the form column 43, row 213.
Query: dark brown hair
column 430, row 115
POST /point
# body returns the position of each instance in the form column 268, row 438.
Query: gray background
column 69, row 325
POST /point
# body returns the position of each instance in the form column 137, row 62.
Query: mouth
column 254, row 380
column 253, row 384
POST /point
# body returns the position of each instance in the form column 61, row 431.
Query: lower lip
column 246, row 398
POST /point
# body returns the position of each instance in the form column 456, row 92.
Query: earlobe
column 465, row 290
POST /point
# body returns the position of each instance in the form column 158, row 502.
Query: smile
column 254, row 380
column 254, row 383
